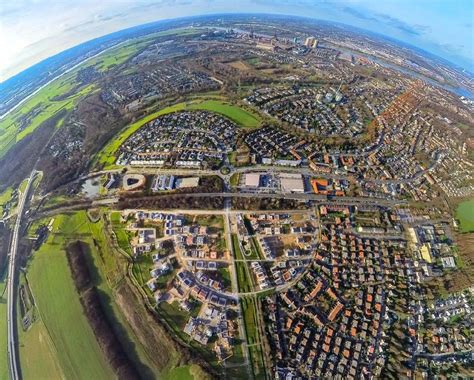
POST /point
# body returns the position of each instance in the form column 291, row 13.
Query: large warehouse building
column 291, row 183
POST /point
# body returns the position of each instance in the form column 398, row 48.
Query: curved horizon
column 73, row 37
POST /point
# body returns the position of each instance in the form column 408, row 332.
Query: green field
column 123, row 238
column 236, row 247
column 108, row 270
column 249, row 312
column 234, row 179
column 250, row 319
column 60, row 309
column 242, row 277
column 107, row 156
column 44, row 104
column 238, row 115
column 465, row 215
column 37, row 353
column 3, row 326
column 48, row 272
column 6, row 196
column 180, row 373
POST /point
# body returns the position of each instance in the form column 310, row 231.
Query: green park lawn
column 238, row 115
column 180, row 373
column 465, row 215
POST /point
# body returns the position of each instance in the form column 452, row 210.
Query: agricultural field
column 49, row 271
column 108, row 271
column 465, row 215
column 58, row 305
column 49, row 101
column 37, row 352
column 63, row 93
column 3, row 327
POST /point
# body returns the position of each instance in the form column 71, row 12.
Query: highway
column 11, row 316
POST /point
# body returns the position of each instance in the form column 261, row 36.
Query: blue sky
column 32, row 30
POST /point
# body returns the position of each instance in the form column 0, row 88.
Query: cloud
column 396, row 23
column 414, row 29
column 358, row 14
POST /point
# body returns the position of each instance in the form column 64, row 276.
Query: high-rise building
column 314, row 45
column 309, row 42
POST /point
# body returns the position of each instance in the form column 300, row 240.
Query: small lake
column 90, row 188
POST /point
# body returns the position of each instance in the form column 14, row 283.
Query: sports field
column 465, row 215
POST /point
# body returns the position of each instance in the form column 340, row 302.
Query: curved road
column 11, row 316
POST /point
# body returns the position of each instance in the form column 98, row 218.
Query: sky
column 32, row 30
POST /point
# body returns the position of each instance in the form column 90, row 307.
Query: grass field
column 107, row 156
column 465, row 215
column 108, row 271
column 60, row 309
column 236, row 247
column 3, row 326
column 37, row 353
column 234, row 179
column 41, row 107
column 238, row 115
column 180, row 373
column 6, row 196
column 250, row 319
column 249, row 312
column 242, row 277
column 123, row 238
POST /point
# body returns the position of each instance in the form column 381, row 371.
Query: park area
column 465, row 215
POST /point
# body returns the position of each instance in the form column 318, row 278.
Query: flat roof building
column 252, row 179
column 187, row 182
column 292, row 183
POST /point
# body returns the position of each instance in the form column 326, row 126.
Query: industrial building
column 252, row 179
column 291, row 183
